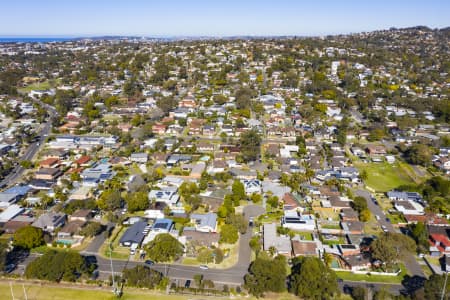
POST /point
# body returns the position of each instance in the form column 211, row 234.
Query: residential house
column 50, row 162
column 10, row 212
column 352, row 227
column 251, row 186
column 304, row 248
column 83, row 161
column 50, row 221
column 140, row 157
column 162, row 225
column 376, row 150
column 49, row 174
column 134, row 235
column 199, row 238
column 81, row 193
column 439, row 244
column 205, row 222
column 167, row 195
column 282, row 244
column 296, row 221
column 81, row 215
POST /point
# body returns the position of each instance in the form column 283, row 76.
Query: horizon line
column 156, row 35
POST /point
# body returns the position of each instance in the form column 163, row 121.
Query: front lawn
column 347, row 275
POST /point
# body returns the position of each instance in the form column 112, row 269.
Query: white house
column 251, row 186
column 168, row 195
column 205, row 222
column 296, row 221
column 141, row 157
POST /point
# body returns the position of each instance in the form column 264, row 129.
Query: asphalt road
column 33, row 148
column 410, row 262
column 233, row 275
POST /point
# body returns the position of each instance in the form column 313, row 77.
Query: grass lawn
column 383, row 177
column 371, row 227
column 231, row 260
column 119, row 252
column 37, row 292
column 396, row 218
column 346, row 275
column 35, row 86
column 306, row 236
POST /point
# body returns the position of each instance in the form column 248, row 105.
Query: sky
column 215, row 18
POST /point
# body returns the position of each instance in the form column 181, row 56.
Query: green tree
column 110, row 200
column 419, row 233
column 250, row 142
column 364, row 215
column 359, row 204
column 3, row 254
column 28, row 237
column 390, row 247
column 238, row 221
column 434, row 286
column 164, row 248
column 364, row 175
column 92, row 229
column 57, row 265
column 359, row 293
column 137, row 201
column 26, row 164
column 142, row 277
column 228, row 234
column 311, row 279
column 243, row 97
column 238, row 189
column 266, row 275
column 418, row 154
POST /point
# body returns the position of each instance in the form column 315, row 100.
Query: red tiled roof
column 82, row 160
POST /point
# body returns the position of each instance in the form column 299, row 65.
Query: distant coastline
column 34, row 39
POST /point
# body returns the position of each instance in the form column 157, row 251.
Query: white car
column 203, row 267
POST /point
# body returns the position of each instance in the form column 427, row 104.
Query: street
column 33, row 148
column 410, row 262
column 233, row 275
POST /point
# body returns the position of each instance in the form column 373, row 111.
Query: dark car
column 149, row 262
column 187, row 284
column 9, row 268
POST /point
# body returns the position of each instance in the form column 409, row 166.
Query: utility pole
column 115, row 291
column 445, row 286
column 24, row 292
column 12, row 293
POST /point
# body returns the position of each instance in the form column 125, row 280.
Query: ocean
column 33, row 39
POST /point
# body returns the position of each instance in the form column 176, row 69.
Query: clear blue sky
column 211, row 17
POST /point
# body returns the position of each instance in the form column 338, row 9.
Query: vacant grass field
column 38, row 292
column 37, row 86
column 383, row 177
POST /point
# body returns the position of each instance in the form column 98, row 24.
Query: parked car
column 187, row 284
column 9, row 268
column 149, row 262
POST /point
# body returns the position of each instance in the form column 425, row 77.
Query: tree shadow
column 412, row 284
